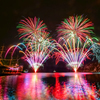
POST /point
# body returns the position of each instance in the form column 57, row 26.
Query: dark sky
column 52, row 12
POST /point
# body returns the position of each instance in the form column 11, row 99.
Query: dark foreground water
column 50, row 86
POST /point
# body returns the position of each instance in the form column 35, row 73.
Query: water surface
column 50, row 86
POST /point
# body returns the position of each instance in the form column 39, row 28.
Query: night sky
column 52, row 12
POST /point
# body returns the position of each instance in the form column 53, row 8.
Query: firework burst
column 75, row 27
column 30, row 29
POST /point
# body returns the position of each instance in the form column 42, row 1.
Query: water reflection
column 75, row 88
column 31, row 88
column 50, row 86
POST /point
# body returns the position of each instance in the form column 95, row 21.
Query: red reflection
column 76, row 89
column 59, row 92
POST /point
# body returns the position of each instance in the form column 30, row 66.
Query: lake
column 50, row 86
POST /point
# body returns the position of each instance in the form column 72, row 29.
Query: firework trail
column 34, row 53
column 74, row 53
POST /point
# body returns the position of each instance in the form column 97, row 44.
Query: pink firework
column 30, row 28
column 75, row 27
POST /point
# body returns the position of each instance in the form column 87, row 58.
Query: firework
column 34, row 53
column 75, row 27
column 74, row 53
column 30, row 29
column 36, row 45
column 75, row 40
